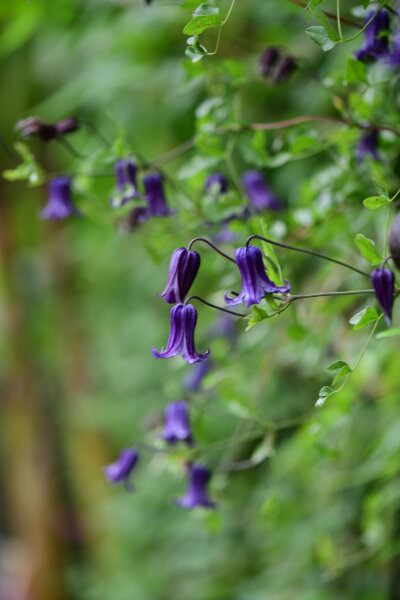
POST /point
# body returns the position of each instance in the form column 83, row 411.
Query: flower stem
column 200, row 239
column 311, row 252
column 230, row 312
column 329, row 15
column 339, row 23
column 291, row 298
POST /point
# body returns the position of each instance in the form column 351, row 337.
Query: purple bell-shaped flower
column 255, row 283
column 383, row 282
column 59, row 202
column 218, row 182
column 368, row 144
column 155, row 196
column 376, row 41
column 120, row 470
column 197, row 493
column 258, row 192
column 177, row 425
column 182, row 271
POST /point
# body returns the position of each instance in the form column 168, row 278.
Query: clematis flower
column 181, row 337
column 376, row 42
column 268, row 60
column 258, row 192
column 283, row 70
column 383, row 282
column 157, row 204
column 177, row 425
column 32, row 126
column 67, row 125
column 196, row 493
column 125, row 173
column 59, row 203
column 255, row 283
column 368, row 144
column 182, row 271
column 120, row 470
column 192, row 381
column 217, row 181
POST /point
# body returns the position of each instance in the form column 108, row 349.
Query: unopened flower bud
column 394, row 240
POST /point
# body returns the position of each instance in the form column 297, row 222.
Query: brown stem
column 329, row 14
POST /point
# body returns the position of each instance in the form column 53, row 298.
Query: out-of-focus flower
column 120, row 470
column 368, row 144
column 155, row 197
column 197, row 493
column 68, row 125
column 268, row 60
column 193, row 379
column 394, row 240
column 181, row 338
column 59, row 202
column 255, row 283
column 376, row 42
column 283, row 70
column 275, row 66
column 258, row 192
column 125, row 173
column 32, row 126
column 383, row 282
column 218, row 182
column 182, row 271
column 177, row 426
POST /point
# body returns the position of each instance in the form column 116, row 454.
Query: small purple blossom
column 283, row 70
column 181, row 338
column 182, row 271
column 268, row 60
column 217, row 181
column 155, row 196
column 196, row 493
column 177, row 424
column 376, row 34
column 59, row 201
column 67, row 125
column 258, row 192
column 383, row 282
column 255, row 283
column 120, row 470
column 368, row 144
column 125, row 173
column 193, row 379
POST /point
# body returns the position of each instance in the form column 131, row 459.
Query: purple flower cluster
column 275, row 66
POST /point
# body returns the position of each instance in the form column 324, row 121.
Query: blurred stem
column 389, row 214
column 230, row 312
column 224, row 22
column 366, row 344
column 339, row 24
column 311, row 252
column 322, row 294
column 328, row 14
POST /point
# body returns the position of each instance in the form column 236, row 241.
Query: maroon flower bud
column 283, row 70
column 394, row 240
column 67, row 125
column 268, row 60
column 32, row 126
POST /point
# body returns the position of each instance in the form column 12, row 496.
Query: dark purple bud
column 255, row 283
column 120, row 470
column 32, row 126
column 181, row 338
column 68, row 125
column 157, row 204
column 258, row 192
column 182, row 272
column 394, row 240
column 125, row 173
column 368, row 144
column 192, row 381
column 59, row 202
column 196, row 493
column 177, row 425
column 268, row 59
column 376, row 41
column 383, row 282
column 217, row 181
column 283, row 70
column 136, row 217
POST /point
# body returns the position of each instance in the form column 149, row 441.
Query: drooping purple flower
column 376, row 41
column 181, row 274
column 258, row 192
column 181, row 337
column 268, row 59
column 67, row 125
column 32, row 126
column 217, row 181
column 383, row 282
column 157, row 204
column 368, row 144
column 59, row 201
column 120, row 470
column 125, row 173
column 177, row 425
column 394, row 55
column 197, row 493
column 193, row 379
column 255, row 283
column 283, row 70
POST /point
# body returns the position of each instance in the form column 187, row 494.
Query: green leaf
column 28, row 169
column 356, row 71
column 375, row 202
column 368, row 249
column 342, row 373
column 320, row 36
column 364, row 317
column 324, row 393
column 388, row 333
column 195, row 51
column 381, row 190
column 337, row 365
column 204, row 17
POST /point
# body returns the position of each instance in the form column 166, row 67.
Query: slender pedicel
column 317, row 295
column 200, row 239
column 68, row 147
column 311, row 252
column 96, row 131
column 230, row 312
